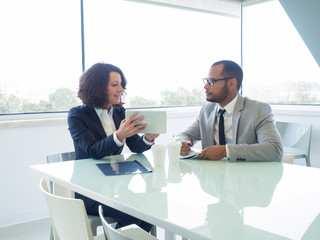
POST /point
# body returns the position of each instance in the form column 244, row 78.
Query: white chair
column 69, row 218
column 94, row 221
column 132, row 233
column 296, row 138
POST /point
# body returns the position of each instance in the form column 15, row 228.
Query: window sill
column 31, row 120
column 47, row 119
column 32, row 123
column 297, row 110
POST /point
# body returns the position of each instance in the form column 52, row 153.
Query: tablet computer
column 122, row 168
column 156, row 120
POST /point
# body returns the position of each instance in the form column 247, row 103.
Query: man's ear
column 233, row 83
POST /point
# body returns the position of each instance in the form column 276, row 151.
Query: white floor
column 40, row 230
column 37, row 230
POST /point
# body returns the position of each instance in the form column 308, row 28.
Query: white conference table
column 202, row 200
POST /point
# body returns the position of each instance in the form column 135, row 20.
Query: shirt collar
column 103, row 112
column 230, row 106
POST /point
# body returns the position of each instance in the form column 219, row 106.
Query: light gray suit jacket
column 254, row 134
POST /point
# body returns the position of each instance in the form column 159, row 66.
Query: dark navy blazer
column 90, row 139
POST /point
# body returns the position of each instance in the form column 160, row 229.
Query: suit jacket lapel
column 236, row 116
column 210, row 127
column 94, row 117
column 117, row 118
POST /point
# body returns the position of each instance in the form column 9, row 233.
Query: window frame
column 290, row 108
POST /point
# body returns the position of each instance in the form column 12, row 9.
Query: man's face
column 220, row 91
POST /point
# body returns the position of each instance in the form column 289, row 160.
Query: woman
column 99, row 128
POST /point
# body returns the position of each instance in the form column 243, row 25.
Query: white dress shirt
column 227, row 123
column 107, row 122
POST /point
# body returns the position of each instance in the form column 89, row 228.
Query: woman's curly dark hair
column 93, row 83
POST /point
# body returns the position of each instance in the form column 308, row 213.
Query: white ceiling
column 304, row 17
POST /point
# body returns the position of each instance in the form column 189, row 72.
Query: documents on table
column 193, row 153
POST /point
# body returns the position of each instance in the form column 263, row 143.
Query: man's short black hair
column 231, row 69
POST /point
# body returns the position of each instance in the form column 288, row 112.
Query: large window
column 164, row 52
column 278, row 67
column 40, row 55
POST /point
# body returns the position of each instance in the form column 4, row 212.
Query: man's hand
column 185, row 148
column 216, row 152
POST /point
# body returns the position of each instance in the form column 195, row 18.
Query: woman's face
column 114, row 89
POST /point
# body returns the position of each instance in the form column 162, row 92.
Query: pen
column 189, row 144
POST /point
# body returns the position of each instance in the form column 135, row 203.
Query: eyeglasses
column 211, row 81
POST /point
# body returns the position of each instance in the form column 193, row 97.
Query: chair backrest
column 68, row 216
column 61, row 157
column 56, row 189
column 295, row 135
column 59, row 190
column 110, row 232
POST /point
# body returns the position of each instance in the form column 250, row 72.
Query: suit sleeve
column 88, row 142
column 136, row 144
column 268, row 144
column 192, row 133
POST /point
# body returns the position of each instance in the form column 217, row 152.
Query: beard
column 222, row 96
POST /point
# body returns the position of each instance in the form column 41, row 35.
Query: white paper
column 192, row 154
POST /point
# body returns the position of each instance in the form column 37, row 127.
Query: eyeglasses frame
column 211, row 81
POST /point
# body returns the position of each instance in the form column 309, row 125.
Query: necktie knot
column 221, row 111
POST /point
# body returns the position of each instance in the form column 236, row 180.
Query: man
column 249, row 132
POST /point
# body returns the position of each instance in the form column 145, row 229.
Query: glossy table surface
column 201, row 199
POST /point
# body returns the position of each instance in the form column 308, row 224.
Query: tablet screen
column 156, row 120
column 122, row 168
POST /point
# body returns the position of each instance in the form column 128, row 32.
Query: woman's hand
column 128, row 127
column 150, row 137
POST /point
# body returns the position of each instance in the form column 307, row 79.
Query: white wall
column 22, row 145
column 25, row 143
column 304, row 15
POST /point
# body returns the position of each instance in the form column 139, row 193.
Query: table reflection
column 312, row 232
column 159, row 179
column 209, row 199
column 152, row 200
column 237, row 187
